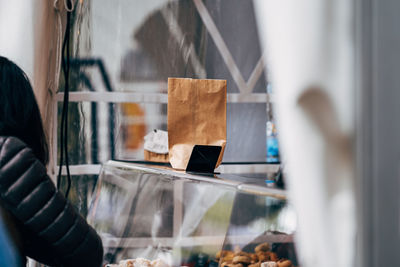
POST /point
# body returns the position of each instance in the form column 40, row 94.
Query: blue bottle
column 272, row 145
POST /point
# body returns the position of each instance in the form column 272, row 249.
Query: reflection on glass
column 102, row 131
column 81, row 192
column 133, row 46
column 155, row 212
column 144, row 214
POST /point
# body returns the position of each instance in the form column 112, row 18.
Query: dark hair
column 19, row 112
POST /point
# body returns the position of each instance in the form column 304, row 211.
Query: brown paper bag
column 196, row 116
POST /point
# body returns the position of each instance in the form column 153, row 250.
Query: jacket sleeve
column 30, row 195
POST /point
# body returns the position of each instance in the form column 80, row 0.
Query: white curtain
column 16, row 33
column 310, row 51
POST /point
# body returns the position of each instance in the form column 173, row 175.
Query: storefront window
column 123, row 53
column 148, row 42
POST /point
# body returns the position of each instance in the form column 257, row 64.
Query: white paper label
column 156, row 141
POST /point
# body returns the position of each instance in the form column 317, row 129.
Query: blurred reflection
column 154, row 212
column 135, row 130
column 144, row 214
column 174, row 39
column 141, row 43
column 81, row 191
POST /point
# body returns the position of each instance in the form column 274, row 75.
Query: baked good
column 220, row 254
column 262, row 247
column 228, row 257
column 223, row 254
column 269, row 264
column 159, row 263
column 284, row 263
column 241, row 259
column 127, row 263
column 263, row 256
column 138, row 262
column 141, row 262
column 254, row 257
column 273, row 256
column 242, row 253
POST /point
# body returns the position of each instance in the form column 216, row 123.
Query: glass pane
column 102, row 131
column 134, row 46
column 98, row 132
column 246, row 132
column 131, row 43
column 155, row 212
column 257, row 220
column 81, row 191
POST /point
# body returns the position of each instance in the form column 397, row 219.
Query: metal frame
column 378, row 132
column 162, row 98
column 191, row 241
column 363, row 146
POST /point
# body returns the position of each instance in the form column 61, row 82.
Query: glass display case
column 183, row 219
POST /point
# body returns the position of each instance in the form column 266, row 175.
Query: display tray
column 181, row 219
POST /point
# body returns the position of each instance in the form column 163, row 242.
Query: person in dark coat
column 44, row 225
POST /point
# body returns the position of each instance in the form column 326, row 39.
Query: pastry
column 242, row 253
column 269, row 264
column 241, row 259
column 222, row 253
column 138, row 262
column 254, row 258
column 262, row 247
column 228, row 257
column 284, row 263
column 127, row 263
column 141, row 262
column 273, row 256
column 158, row 263
column 257, row 264
column 263, row 256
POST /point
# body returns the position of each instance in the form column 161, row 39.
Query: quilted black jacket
column 53, row 232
